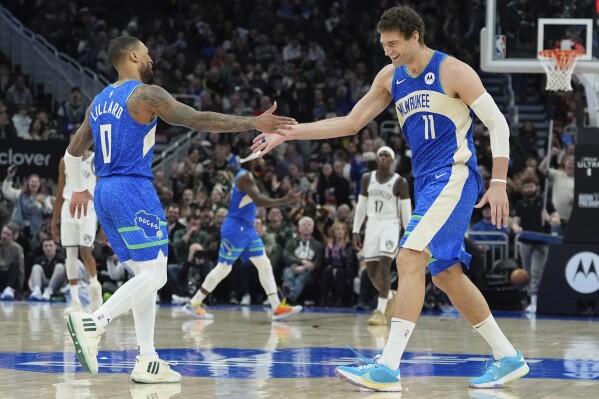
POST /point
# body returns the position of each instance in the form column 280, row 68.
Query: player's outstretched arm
column 369, row 106
column 247, row 184
column 160, row 103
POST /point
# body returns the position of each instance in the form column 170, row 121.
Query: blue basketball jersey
column 124, row 147
column 437, row 127
column 241, row 206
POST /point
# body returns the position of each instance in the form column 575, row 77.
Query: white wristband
column 73, row 170
column 499, row 181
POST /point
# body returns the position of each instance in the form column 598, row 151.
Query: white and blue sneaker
column 499, row 372
column 377, row 377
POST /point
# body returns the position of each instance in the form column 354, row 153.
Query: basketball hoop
column 559, row 65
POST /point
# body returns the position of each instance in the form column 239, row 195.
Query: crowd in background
column 315, row 59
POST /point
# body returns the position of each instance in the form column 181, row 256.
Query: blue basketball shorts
column 239, row 239
column 132, row 217
column 444, row 203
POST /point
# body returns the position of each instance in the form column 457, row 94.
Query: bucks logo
column 149, row 224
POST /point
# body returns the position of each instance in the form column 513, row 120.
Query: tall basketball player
column 434, row 96
column 239, row 239
column 385, row 200
column 122, row 123
column 77, row 236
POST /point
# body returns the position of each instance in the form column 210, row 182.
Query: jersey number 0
column 106, row 140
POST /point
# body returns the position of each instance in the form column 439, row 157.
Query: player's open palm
column 496, row 196
column 266, row 142
column 268, row 122
column 79, row 203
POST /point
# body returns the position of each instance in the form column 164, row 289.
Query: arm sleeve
column 405, row 206
column 487, row 111
column 360, row 213
column 73, row 170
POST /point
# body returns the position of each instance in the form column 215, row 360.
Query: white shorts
column 77, row 232
column 381, row 239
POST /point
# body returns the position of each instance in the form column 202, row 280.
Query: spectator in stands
column 21, row 121
column 19, row 93
column 48, row 273
column 278, row 227
column 172, row 221
column 7, row 129
column 165, row 194
column 12, row 267
column 332, row 188
column 37, row 131
column 530, row 216
column 192, row 234
column 303, row 258
column 30, row 202
column 340, row 267
column 71, row 113
column 528, row 138
column 185, row 204
column 562, row 181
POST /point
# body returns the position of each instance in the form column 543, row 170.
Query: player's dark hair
column 120, row 46
column 403, row 19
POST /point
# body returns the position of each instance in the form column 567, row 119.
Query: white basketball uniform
column 79, row 232
column 383, row 227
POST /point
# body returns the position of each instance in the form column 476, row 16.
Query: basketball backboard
column 516, row 30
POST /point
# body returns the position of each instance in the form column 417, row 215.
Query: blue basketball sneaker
column 377, row 377
column 500, row 372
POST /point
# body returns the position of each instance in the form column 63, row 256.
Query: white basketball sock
column 491, row 332
column 382, row 304
column 400, row 333
column 198, row 298
column 144, row 316
column 74, row 289
column 267, row 279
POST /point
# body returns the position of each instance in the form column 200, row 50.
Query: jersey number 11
column 429, row 126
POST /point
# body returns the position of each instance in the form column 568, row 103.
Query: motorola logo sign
column 582, row 272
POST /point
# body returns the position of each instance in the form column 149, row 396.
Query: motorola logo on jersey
column 429, row 78
column 582, row 274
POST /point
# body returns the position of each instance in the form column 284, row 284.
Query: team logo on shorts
column 389, row 245
column 149, row 224
column 87, row 239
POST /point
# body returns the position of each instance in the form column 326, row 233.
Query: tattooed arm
column 83, row 138
column 158, row 102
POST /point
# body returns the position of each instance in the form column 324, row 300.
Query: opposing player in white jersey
column 385, row 200
column 435, row 97
column 121, row 122
column 77, row 236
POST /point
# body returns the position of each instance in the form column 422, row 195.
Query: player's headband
column 387, row 150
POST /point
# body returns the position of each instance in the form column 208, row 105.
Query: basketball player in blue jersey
column 436, row 97
column 121, row 122
column 239, row 239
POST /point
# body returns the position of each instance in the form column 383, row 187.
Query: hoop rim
column 552, row 53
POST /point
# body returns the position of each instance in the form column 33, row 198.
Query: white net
column 559, row 65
